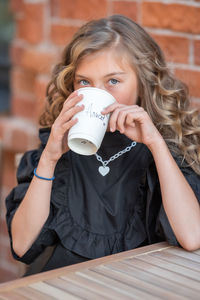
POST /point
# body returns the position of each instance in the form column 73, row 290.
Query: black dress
column 92, row 216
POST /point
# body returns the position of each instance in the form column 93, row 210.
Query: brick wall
column 43, row 27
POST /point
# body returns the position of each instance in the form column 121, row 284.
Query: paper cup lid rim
column 94, row 88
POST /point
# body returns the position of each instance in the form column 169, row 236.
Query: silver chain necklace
column 104, row 169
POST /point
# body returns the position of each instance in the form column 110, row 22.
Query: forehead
column 105, row 59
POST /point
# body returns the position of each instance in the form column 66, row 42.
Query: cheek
column 120, row 97
column 127, row 98
column 134, row 97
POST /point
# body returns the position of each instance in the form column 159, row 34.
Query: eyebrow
column 107, row 75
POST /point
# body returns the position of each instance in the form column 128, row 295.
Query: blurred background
column 32, row 36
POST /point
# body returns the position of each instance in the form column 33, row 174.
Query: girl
column 152, row 190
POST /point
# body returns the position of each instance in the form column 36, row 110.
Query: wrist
column 47, row 162
column 45, row 167
column 41, row 177
column 48, row 158
column 157, row 145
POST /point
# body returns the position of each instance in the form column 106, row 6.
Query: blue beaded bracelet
column 43, row 178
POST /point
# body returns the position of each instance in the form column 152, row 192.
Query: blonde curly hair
column 164, row 97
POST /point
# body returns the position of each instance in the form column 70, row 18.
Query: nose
column 100, row 85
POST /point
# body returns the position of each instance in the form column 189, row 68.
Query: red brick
column 40, row 92
column 126, row 8
column 19, row 140
column 171, row 16
column 6, row 275
column 3, row 225
column 16, row 6
column 176, row 49
column 30, row 26
column 22, row 106
column 6, row 254
column 1, row 131
column 38, row 61
column 28, row 127
column 197, row 52
column 83, row 10
column 20, row 28
column 8, row 169
column 5, row 189
column 16, row 54
column 41, row 86
column 62, row 34
column 54, row 8
column 22, row 80
column 13, row 267
column 192, row 79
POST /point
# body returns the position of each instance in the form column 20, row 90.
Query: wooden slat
column 171, row 267
column 177, row 260
column 149, row 288
column 106, row 290
column 11, row 295
column 182, row 253
column 197, row 252
column 32, row 294
column 154, row 279
column 73, row 268
column 52, row 291
column 119, row 286
column 160, row 272
column 74, row 289
column 153, row 272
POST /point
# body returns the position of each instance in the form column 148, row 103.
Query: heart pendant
column 104, row 170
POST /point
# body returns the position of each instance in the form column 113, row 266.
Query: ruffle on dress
column 62, row 227
column 60, row 224
column 77, row 237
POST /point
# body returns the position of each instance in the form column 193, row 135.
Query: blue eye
column 113, row 81
column 83, row 82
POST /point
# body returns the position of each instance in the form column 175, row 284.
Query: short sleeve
column 24, row 176
column 163, row 227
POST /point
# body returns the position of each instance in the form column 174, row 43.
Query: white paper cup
column 86, row 136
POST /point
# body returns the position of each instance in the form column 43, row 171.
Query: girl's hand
column 57, row 142
column 134, row 122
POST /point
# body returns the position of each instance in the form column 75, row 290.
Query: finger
column 111, row 108
column 118, row 117
column 70, row 113
column 71, row 96
column 127, row 115
column 116, row 105
column 66, row 126
column 130, row 120
column 132, row 115
column 121, row 119
column 71, row 102
column 113, row 119
column 140, row 117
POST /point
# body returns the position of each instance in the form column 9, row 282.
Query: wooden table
column 153, row 272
